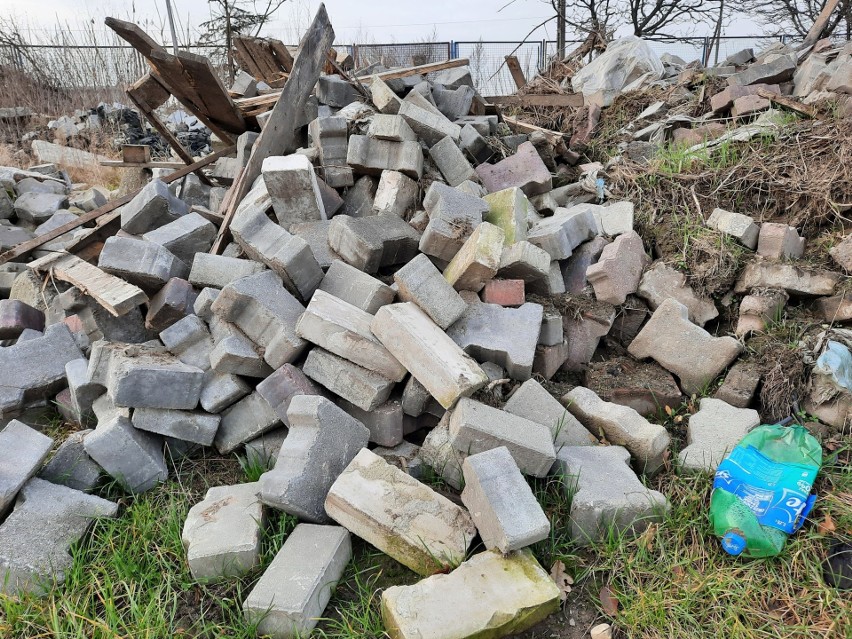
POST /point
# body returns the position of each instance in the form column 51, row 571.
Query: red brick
column 748, row 104
column 504, row 292
column 725, row 99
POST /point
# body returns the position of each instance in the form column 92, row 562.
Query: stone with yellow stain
column 487, row 597
column 400, row 516
column 509, row 209
column 478, row 260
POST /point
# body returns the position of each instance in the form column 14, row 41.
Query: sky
column 363, row 21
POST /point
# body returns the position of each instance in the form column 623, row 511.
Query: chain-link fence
column 409, row 54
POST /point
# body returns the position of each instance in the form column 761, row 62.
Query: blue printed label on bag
column 777, row 493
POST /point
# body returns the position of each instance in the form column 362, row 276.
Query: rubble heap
column 397, row 295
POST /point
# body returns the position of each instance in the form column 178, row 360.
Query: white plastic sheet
column 623, row 63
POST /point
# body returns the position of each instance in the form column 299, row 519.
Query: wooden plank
column 134, row 154
column 282, row 54
column 121, row 164
column 217, row 104
column 788, row 103
column 25, row 248
column 264, row 60
column 150, row 92
column 574, row 100
column 244, row 58
column 113, row 293
column 278, row 135
column 516, row 71
column 554, row 137
column 815, row 32
column 419, row 70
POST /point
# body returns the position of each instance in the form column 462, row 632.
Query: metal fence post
column 704, row 53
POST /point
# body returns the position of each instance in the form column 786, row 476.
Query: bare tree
column 228, row 17
column 669, row 18
column 783, row 17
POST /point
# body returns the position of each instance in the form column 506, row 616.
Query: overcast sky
column 354, row 20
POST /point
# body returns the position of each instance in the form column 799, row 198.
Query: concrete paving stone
column 243, row 421
column 186, row 236
column 217, row 271
column 725, row 99
column 438, row 453
column 739, row 386
column 505, row 336
column 266, row 312
column 37, row 537
column 431, row 126
column 841, row 253
column 476, row 427
column 778, row 70
column 22, row 453
column 661, row 282
column 432, row 357
column 614, row 219
column 501, row 595
column 683, row 348
column 561, row 233
column 779, row 241
column 478, row 260
column 105, row 409
column 321, row 442
column 191, row 426
column 364, row 388
column 279, row 389
column 473, row 143
column 396, row 194
column 263, row 451
column 451, row 162
column 172, row 303
column 344, row 329
column 531, row 401
column 289, row 256
column 386, row 422
column 757, row 311
column 648, row 443
column 551, row 329
column 390, row 127
column 142, row 263
column 529, row 263
column 358, row 201
column 316, row 235
column 524, row 169
column 501, row 502
column 152, row 207
column 351, row 285
column 737, row 225
column 290, row 597
column 15, row 316
column 238, row 355
column 11, row 236
column 509, row 210
column 371, row 156
column 222, row 532
column 83, row 393
column 713, row 432
column 292, row 187
column 415, row 398
column 403, row 518
column 454, row 103
column 386, row 101
column 421, row 282
column 797, row 281
column 336, row 92
column 189, row 340
column 575, row 267
column 130, row 456
column 405, row 457
column 71, row 465
column 485, row 125
column 619, row 269
column 583, row 333
column 606, row 494
column 453, row 216
column 330, row 137
column 37, row 208
column 369, row 243
column 35, row 368
column 144, row 377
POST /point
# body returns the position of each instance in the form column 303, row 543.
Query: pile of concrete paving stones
column 339, row 341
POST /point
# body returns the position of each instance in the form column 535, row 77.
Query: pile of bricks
column 382, row 281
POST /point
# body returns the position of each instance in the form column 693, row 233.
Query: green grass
column 130, row 579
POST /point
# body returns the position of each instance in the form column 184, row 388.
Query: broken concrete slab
column 36, row 538
column 364, row 388
column 432, row 357
column 713, row 432
column 290, row 597
column 779, row 241
column 217, row 271
column 453, row 217
column 133, row 458
column 410, row 522
column 369, row 243
column 292, row 187
column 501, row 503
column 451, row 162
column 505, row 336
column 561, row 233
column 476, row 427
column 509, row 209
column 618, row 271
column 648, row 443
column 478, row 260
column 344, row 329
column 759, row 310
column 798, row 282
column 661, row 282
column 583, row 333
column 152, row 207
column 683, row 348
column 396, row 194
column 575, row 267
column 222, row 532
column 524, row 169
column 501, row 596
column 321, row 442
column 778, row 70
column 186, row 236
column 189, row 426
column 352, row 285
column 372, row 156
column 606, row 494
column 531, row 401
column 22, row 452
column 71, row 465
column 739, row 226
column 243, row 421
